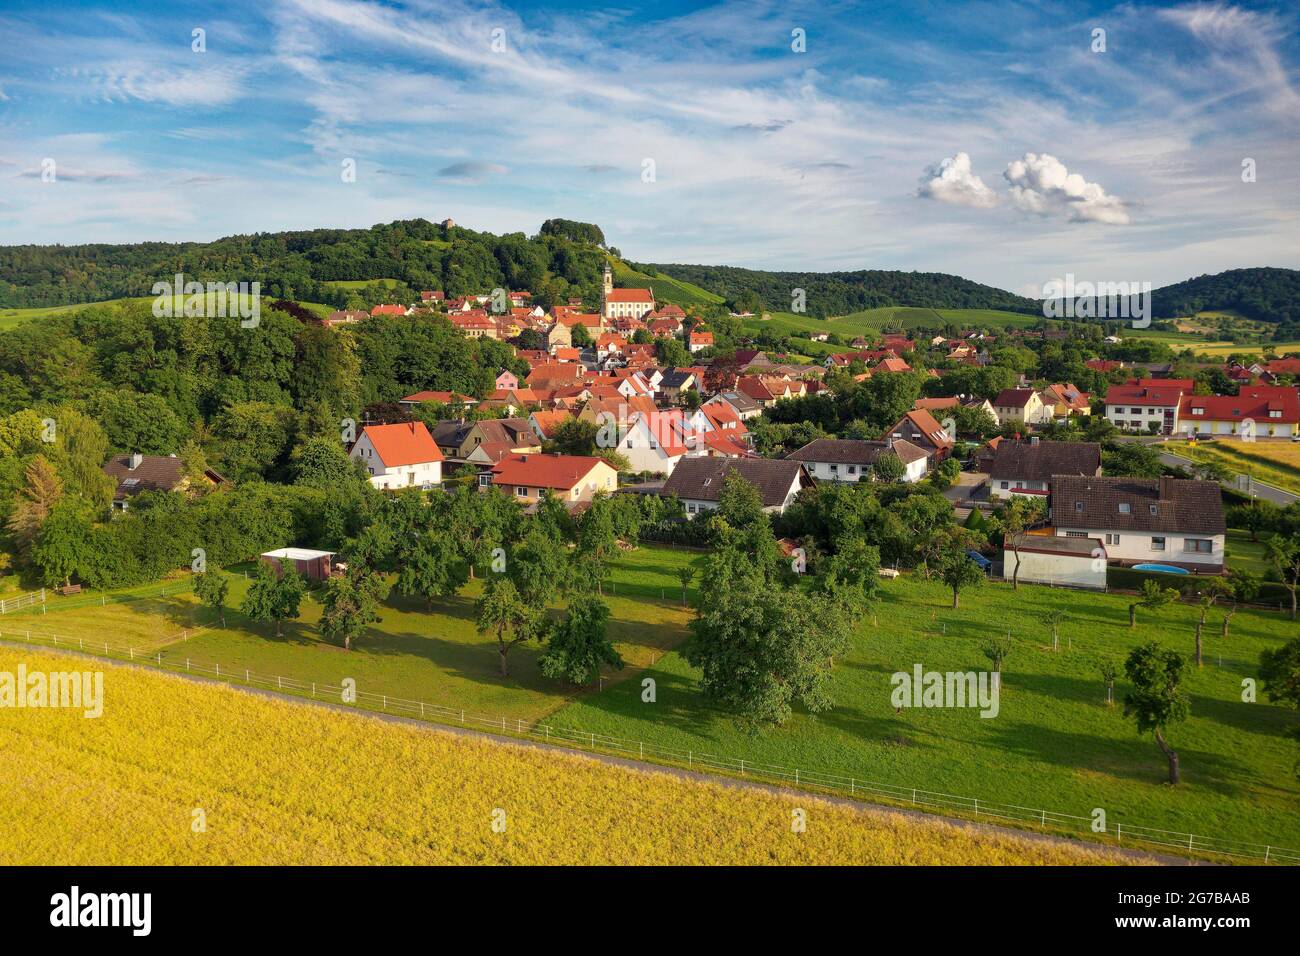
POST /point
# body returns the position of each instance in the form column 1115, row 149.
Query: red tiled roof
column 404, row 443
column 1257, row 402
column 544, row 471
column 388, row 310
column 629, row 295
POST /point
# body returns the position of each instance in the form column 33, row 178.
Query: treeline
column 839, row 293
column 564, row 259
column 1264, row 295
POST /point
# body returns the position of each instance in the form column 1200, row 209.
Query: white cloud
column 952, row 180
column 1041, row 184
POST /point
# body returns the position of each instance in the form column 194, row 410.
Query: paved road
column 1244, row 483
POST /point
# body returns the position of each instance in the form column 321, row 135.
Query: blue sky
column 989, row 140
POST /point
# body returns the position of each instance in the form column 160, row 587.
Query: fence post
column 742, row 768
column 851, row 787
column 977, row 807
column 913, row 796
column 1119, row 833
column 1266, row 849
column 690, row 758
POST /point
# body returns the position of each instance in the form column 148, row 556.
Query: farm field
column 129, row 786
column 411, row 653
column 1055, row 744
column 1276, row 462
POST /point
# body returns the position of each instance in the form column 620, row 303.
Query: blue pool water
column 1166, row 568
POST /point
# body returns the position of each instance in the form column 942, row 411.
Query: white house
column 1144, row 520
column 843, row 459
column 402, row 455
column 697, row 482
column 1020, row 468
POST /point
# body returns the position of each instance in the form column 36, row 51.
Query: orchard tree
column 432, row 568
column 1284, row 555
column 1158, row 699
column 273, row 597
column 212, row 588
column 958, row 570
column 1207, row 594
column 686, row 575
column 579, row 644
column 1016, row 517
column 506, row 616
column 351, row 604
column 1243, row 587
column 1152, row 597
column 1108, row 674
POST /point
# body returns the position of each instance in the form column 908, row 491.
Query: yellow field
column 284, row 783
column 1276, row 462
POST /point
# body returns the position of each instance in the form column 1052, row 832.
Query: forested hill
column 1266, row 295
column 564, row 258
column 839, row 293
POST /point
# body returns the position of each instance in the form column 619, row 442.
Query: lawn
column 1275, row 462
column 1054, row 745
column 175, row 772
column 434, row 656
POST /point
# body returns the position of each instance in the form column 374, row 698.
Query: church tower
column 607, row 286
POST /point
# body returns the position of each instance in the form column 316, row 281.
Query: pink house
column 507, row 380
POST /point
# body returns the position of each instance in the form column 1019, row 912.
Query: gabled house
column 1147, row 404
column 1256, row 411
column 697, row 482
column 1020, row 406
column 743, row 405
column 400, row 455
column 919, row 427
column 1138, row 520
column 545, row 424
column 1028, row 467
column 512, row 434
column 844, row 459
column 1064, row 400
column 571, row 478
column 135, row 473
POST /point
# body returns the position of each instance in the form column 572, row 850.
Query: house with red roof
column 571, row 478
column 1257, row 411
column 435, row 296
column 390, row 310
column 1147, row 404
column 442, row 398
column 621, row 303
column 1022, row 406
column 401, row 455
column 919, row 427
column 698, row 341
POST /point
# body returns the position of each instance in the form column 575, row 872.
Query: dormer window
column 1124, row 508
column 1078, row 507
column 1155, row 509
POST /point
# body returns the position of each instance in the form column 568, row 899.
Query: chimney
column 136, row 460
column 1166, row 488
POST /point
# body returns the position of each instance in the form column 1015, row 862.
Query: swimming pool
column 1165, row 568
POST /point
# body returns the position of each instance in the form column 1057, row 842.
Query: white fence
column 9, row 605
column 1120, row 834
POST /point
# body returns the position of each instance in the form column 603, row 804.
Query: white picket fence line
column 1121, row 834
column 9, row 605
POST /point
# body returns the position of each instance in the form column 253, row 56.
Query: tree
column 579, row 644
column 432, row 567
column 762, row 647
column 503, row 614
column 1158, row 699
column 1207, row 593
column 63, row 546
column 1243, row 587
column 1016, row 517
column 1283, row 554
column 41, row 490
column 686, row 575
column 352, row 604
column 212, row 588
column 1152, row 597
column 854, row 571
column 1053, row 619
column 887, row 468
column 1279, row 670
column 1108, row 671
column 273, row 597
column 539, row 566
column 996, row 651
column 597, row 543
column 958, row 571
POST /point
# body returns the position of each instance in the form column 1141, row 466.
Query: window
column 1076, row 534
column 1124, row 508
column 1112, row 539
column 853, row 469
column 521, row 491
column 1157, row 544
column 1004, row 485
column 1078, row 506
column 1198, row 545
